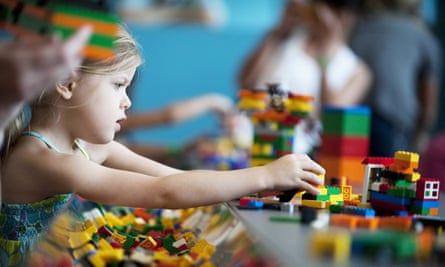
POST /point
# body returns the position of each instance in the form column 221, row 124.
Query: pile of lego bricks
column 117, row 236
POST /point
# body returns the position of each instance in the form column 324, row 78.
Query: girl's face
column 100, row 102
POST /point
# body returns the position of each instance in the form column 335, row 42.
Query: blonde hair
column 126, row 56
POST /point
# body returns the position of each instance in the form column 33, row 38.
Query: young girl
column 68, row 148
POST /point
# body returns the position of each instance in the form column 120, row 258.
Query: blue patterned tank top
column 22, row 224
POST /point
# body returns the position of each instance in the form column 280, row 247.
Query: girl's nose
column 126, row 102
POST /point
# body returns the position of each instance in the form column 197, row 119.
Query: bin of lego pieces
column 116, row 236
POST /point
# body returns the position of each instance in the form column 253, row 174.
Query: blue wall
column 184, row 60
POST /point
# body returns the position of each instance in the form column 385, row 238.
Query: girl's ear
column 65, row 89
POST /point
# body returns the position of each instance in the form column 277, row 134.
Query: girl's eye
column 119, row 85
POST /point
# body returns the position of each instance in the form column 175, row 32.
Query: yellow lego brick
column 267, row 149
column 99, row 222
column 335, row 198
column 314, row 203
column 168, row 223
column 104, row 244
column 189, row 237
column 112, row 219
column 295, row 105
column 127, row 219
column 256, row 104
column 256, row 149
column 78, row 239
column 413, row 177
column 259, row 162
column 91, row 230
column 323, row 190
column 204, row 249
column 97, row 261
column 406, row 156
column 208, row 264
column 80, row 252
column 346, row 191
column 330, row 242
column 109, row 255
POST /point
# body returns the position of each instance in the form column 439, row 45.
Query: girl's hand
column 295, row 171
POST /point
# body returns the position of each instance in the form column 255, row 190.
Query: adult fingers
column 73, row 46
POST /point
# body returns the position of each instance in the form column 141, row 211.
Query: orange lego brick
column 396, row 223
column 344, row 220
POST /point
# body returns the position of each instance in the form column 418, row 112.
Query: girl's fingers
column 309, row 165
column 309, row 188
column 311, row 178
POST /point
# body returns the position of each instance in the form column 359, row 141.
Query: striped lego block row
column 352, row 146
column 352, row 121
column 22, row 18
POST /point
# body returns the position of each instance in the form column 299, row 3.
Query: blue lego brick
column 255, row 203
column 390, row 199
column 363, row 110
column 401, row 213
column 365, row 212
column 426, row 204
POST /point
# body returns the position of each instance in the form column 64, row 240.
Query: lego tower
column 345, row 142
column 274, row 114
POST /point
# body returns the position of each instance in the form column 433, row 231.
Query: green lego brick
column 401, row 192
column 353, row 121
column 346, row 124
column 287, row 219
column 419, row 210
column 104, row 41
column 335, row 208
column 322, row 197
column 333, row 190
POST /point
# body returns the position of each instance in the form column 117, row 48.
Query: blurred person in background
column 404, row 57
column 307, row 53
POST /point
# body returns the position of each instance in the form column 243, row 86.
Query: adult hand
column 33, row 64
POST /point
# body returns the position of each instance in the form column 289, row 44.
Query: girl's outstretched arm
column 131, row 180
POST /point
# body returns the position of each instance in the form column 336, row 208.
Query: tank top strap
column 42, row 138
column 82, row 149
column 53, row 147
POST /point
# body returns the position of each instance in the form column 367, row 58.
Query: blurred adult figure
column 404, row 57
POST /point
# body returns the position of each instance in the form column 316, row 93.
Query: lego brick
column 333, row 242
column 428, row 189
column 386, row 208
column 349, row 146
column 403, row 201
column 396, row 223
column 315, row 203
column 287, row 219
column 344, row 220
column 426, row 203
column 349, row 167
column 346, row 121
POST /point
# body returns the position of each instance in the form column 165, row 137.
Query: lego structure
column 345, row 142
column 32, row 17
column 274, row 114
